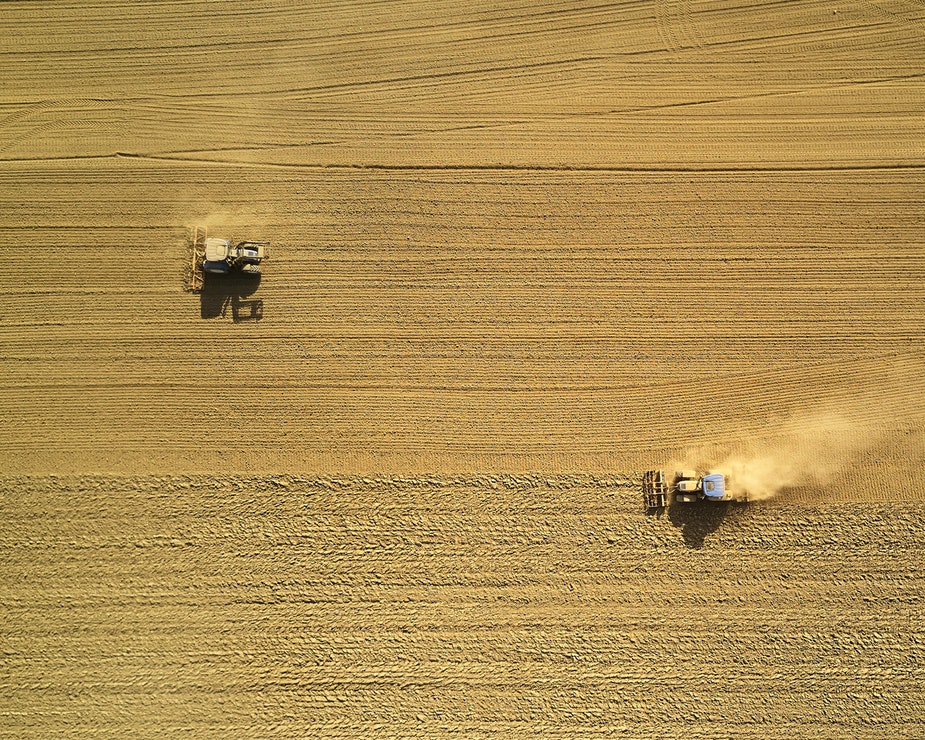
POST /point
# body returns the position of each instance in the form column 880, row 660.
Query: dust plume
column 218, row 219
column 809, row 450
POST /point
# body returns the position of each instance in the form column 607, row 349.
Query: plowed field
column 482, row 606
column 520, row 251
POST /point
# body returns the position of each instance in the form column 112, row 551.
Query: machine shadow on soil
column 698, row 522
column 218, row 294
column 696, row 502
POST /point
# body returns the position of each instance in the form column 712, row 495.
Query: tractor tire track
column 520, row 253
column 438, row 606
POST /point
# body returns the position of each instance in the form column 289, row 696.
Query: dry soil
column 520, row 251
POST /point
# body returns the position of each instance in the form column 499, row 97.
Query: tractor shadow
column 699, row 520
column 223, row 292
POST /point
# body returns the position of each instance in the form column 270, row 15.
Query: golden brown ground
column 569, row 237
column 486, row 606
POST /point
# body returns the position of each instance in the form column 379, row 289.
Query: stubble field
column 519, row 253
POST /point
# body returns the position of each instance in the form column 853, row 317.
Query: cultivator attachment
column 654, row 490
column 197, row 255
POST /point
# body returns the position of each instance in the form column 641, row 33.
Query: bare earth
column 520, row 251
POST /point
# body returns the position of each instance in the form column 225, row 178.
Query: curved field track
column 555, row 236
column 506, row 237
column 456, row 320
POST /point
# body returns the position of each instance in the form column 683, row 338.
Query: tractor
column 217, row 256
column 688, row 486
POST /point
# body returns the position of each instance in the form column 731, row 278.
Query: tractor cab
column 250, row 252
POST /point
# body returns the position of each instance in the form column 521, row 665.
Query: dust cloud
column 224, row 219
column 807, row 450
